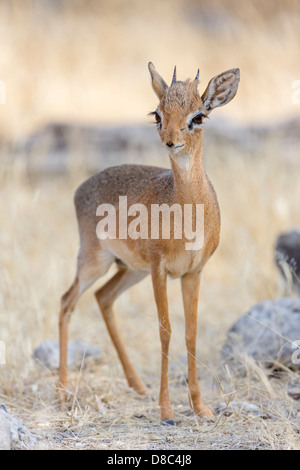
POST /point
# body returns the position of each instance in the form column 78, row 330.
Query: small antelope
column 179, row 117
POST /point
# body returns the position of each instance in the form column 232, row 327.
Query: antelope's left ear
column 221, row 89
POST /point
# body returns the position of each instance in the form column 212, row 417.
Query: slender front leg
column 159, row 281
column 190, row 291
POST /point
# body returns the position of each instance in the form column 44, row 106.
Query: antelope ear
column 221, row 89
column 158, row 84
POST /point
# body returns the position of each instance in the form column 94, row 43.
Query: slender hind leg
column 68, row 302
column 105, row 296
column 88, row 271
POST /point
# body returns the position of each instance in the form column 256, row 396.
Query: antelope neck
column 189, row 183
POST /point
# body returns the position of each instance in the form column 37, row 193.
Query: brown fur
column 185, row 183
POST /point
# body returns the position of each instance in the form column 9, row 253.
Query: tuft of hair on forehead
column 182, row 95
column 191, row 86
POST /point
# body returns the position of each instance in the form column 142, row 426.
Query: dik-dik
column 179, row 117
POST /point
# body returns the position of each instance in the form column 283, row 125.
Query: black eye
column 157, row 118
column 198, row 119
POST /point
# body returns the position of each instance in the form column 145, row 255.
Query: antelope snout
column 172, row 141
column 175, row 147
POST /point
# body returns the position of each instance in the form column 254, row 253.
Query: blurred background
column 86, row 60
column 77, row 97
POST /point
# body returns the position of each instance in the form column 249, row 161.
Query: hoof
column 205, row 413
column 207, row 419
column 141, row 391
column 138, row 386
column 167, row 422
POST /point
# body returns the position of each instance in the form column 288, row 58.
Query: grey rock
column 267, row 333
column 241, row 408
column 293, row 390
column 47, row 354
column 13, row 434
column 4, row 431
column 287, row 259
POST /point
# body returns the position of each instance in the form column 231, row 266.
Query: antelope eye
column 198, row 119
column 157, row 118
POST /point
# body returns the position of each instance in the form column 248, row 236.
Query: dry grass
column 259, row 198
column 38, row 250
column 89, row 62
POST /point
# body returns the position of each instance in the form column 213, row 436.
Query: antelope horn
column 174, row 76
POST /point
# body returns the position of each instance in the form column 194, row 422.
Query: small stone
column 294, row 391
column 47, row 353
column 242, row 407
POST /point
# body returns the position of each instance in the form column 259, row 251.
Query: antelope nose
column 170, row 144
